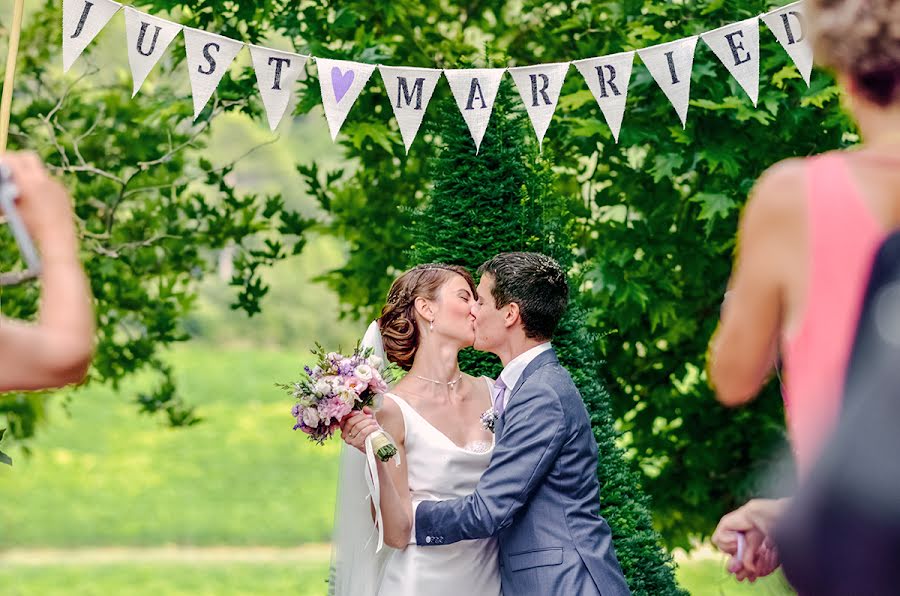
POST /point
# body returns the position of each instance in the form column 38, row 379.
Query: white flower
column 311, row 416
column 348, row 397
column 375, row 361
column 364, row 372
column 323, row 387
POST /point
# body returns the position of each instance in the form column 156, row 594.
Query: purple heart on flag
column 340, row 82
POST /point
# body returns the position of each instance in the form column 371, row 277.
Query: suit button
column 428, row 540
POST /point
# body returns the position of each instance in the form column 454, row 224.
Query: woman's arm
column 396, row 504
column 744, row 348
column 57, row 349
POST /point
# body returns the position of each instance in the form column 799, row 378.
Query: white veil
column 356, row 567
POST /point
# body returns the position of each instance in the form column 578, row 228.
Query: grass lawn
column 106, row 475
column 168, row 579
column 700, row 577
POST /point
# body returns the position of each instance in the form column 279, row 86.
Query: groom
column 540, row 494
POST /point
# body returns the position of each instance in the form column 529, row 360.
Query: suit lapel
column 542, row 359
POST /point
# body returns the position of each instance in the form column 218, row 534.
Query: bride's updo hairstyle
column 398, row 317
column 860, row 38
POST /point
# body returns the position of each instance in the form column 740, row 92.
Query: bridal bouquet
column 336, row 386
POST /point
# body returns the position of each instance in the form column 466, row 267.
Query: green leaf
column 665, row 165
column 5, row 459
column 787, row 72
column 713, row 206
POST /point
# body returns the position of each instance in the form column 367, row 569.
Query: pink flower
column 356, row 385
column 333, row 409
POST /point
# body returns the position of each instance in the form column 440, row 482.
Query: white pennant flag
column 791, row 29
column 82, row 21
column 475, row 90
column 341, row 82
column 208, row 59
column 276, row 73
column 608, row 77
column 539, row 87
column 737, row 46
column 409, row 90
column 148, row 37
column 671, row 65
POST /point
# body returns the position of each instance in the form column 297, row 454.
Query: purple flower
column 296, row 411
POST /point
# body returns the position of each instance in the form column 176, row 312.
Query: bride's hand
column 357, row 426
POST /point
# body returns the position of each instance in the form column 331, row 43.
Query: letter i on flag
column 671, row 65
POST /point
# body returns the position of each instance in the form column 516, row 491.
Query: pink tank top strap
column 843, row 239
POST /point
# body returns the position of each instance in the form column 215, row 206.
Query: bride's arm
column 396, row 505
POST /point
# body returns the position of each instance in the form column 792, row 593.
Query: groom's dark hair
column 536, row 283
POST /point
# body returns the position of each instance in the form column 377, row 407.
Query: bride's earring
column 431, row 325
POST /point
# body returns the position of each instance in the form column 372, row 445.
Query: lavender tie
column 499, row 395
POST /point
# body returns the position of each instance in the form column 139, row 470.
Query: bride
column 434, row 417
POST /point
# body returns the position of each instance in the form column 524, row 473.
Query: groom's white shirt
column 510, row 374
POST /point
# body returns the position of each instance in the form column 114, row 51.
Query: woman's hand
column 755, row 521
column 357, row 426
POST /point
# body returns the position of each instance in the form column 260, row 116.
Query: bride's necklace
column 449, row 384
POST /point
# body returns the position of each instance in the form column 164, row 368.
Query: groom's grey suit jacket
column 539, row 495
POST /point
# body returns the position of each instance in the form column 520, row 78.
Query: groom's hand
column 357, row 426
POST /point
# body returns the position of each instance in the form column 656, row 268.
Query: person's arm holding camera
column 55, row 350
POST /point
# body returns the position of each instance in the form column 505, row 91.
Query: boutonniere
column 489, row 418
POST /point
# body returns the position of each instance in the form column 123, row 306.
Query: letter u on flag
column 148, row 37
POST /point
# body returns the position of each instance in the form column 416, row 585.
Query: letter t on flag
column 409, row 90
column 276, row 73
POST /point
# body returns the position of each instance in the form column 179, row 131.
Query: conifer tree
column 502, row 200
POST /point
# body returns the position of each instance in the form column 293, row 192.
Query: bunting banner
column 148, row 37
column 410, row 89
column 475, row 90
column 540, row 87
column 276, row 73
column 208, row 58
column 737, row 46
column 671, row 65
column 789, row 26
column 341, row 83
column 607, row 77
column 82, row 21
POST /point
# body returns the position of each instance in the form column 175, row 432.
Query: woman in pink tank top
column 807, row 239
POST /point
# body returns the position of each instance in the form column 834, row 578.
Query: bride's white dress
column 439, row 469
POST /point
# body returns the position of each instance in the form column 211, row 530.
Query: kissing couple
column 495, row 490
